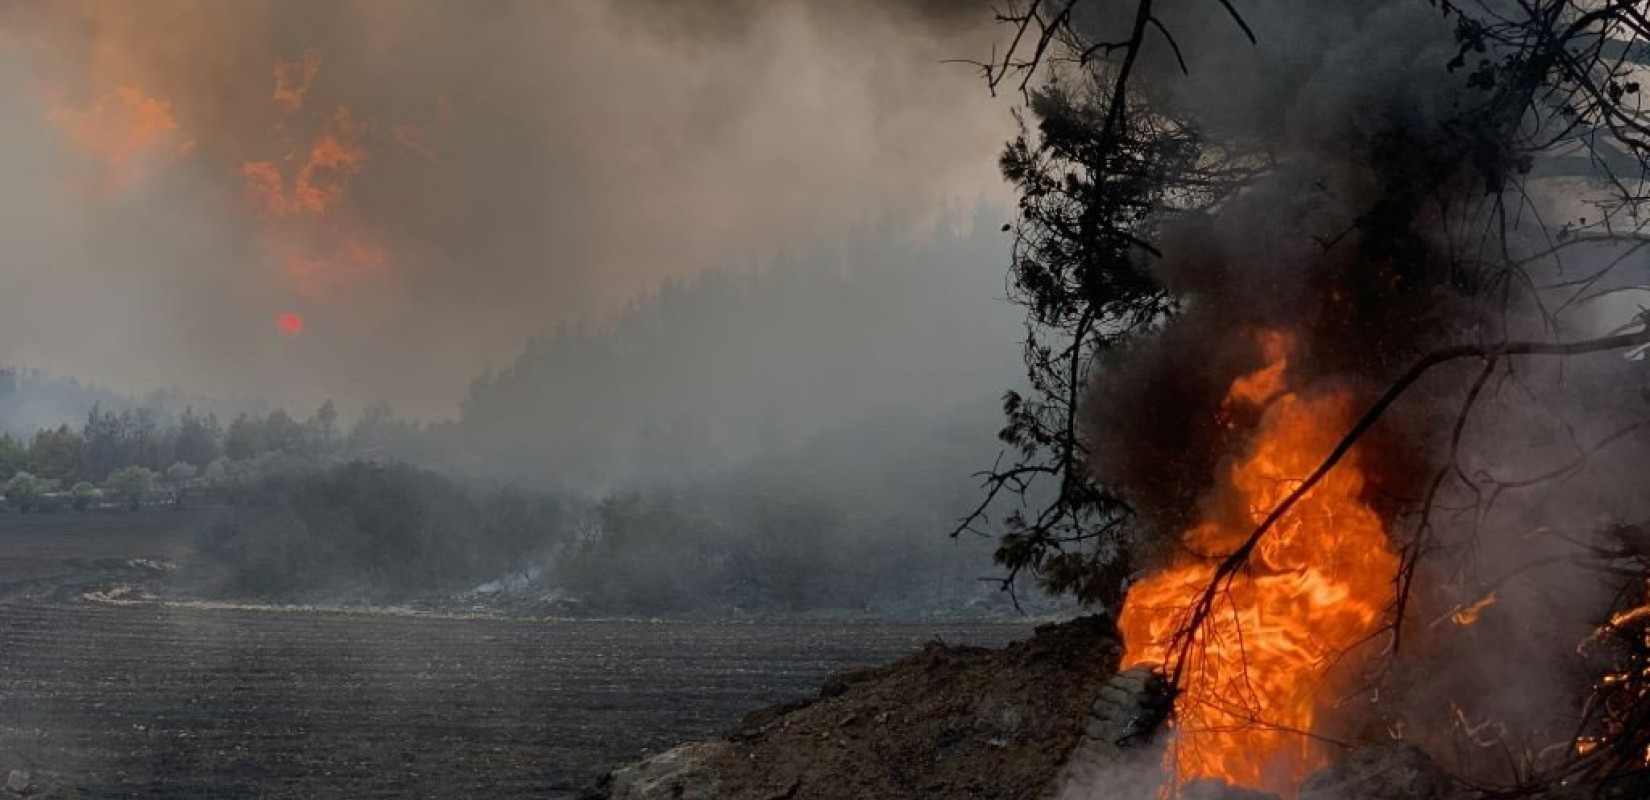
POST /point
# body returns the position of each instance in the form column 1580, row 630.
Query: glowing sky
column 424, row 187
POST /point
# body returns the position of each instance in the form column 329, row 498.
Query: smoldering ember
column 789, row 399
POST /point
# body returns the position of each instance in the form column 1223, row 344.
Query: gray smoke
column 494, row 171
column 1351, row 100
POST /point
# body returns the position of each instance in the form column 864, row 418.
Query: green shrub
column 24, row 490
column 130, row 485
column 83, row 495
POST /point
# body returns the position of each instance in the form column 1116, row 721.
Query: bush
column 372, row 532
column 780, row 536
column 181, row 473
column 83, row 495
column 130, row 485
column 24, row 490
column 814, row 531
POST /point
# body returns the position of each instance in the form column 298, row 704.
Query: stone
column 1127, row 711
column 680, row 773
column 1130, row 708
column 18, row 781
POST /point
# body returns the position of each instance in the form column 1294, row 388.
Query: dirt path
column 105, row 701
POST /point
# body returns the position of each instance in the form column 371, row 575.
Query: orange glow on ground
column 1316, row 586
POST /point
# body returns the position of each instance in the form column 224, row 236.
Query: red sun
column 289, row 325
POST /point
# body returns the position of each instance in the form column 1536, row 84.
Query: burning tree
column 1253, row 245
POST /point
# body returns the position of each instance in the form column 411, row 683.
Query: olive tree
column 83, row 495
column 131, row 484
column 24, row 491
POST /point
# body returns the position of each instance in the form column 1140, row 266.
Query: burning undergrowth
column 1334, row 325
column 1259, row 662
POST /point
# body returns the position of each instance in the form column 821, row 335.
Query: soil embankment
column 946, row 722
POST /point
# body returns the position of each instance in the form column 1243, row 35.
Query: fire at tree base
column 1048, row 718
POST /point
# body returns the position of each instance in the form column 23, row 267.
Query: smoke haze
column 424, row 188
column 1353, row 107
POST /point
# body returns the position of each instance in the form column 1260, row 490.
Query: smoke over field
column 1298, row 346
column 366, row 200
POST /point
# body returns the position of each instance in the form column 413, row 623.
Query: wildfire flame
column 1258, row 670
column 293, row 79
column 122, row 128
column 1622, row 693
column 128, row 120
column 1468, row 615
column 302, row 202
column 320, row 182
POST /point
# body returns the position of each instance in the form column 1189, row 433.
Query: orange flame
column 413, row 139
column 315, row 266
column 265, row 187
column 293, row 79
column 1468, row 615
column 334, row 158
column 131, row 114
column 307, row 227
column 319, row 183
column 122, row 128
column 1259, row 669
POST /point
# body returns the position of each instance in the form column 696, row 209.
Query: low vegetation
column 370, row 531
column 763, row 540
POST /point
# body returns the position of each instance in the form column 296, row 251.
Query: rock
column 1390, row 771
column 681, row 773
column 18, row 781
column 1130, row 708
column 754, row 723
column 839, row 684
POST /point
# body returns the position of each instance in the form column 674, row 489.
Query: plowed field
column 106, row 700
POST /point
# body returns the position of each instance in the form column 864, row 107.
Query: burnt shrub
column 368, row 531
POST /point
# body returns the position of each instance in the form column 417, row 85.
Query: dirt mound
column 952, row 722
column 969, row 722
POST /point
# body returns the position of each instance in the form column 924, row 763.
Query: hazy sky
column 419, row 188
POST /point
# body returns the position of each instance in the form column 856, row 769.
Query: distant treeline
column 127, row 457
column 794, row 439
column 768, row 540
column 31, row 400
column 109, row 441
column 308, row 515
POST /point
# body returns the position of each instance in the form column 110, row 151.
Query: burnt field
column 100, row 700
